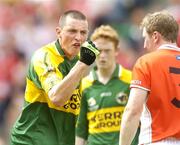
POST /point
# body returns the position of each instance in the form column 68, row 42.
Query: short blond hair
column 106, row 32
column 162, row 22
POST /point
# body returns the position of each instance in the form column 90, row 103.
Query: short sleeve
column 141, row 75
column 47, row 72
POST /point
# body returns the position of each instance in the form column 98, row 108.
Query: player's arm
column 80, row 141
column 61, row 92
column 131, row 115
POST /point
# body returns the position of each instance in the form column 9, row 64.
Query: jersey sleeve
column 82, row 122
column 44, row 72
column 141, row 75
column 126, row 75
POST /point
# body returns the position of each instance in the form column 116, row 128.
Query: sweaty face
column 72, row 35
column 106, row 58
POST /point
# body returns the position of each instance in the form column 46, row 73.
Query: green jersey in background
column 102, row 106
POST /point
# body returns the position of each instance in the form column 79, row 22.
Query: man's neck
column 70, row 57
column 104, row 75
column 163, row 42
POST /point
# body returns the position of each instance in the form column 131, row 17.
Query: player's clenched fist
column 88, row 52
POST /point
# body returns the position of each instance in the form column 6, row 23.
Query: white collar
column 170, row 47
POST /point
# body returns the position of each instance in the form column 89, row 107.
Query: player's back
column 163, row 102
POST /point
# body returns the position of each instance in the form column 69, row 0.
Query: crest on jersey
column 92, row 104
column 49, row 69
column 122, row 98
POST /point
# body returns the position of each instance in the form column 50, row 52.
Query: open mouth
column 77, row 45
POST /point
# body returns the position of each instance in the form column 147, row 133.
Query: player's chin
column 75, row 51
column 102, row 66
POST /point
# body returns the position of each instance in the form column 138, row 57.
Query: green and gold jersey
column 102, row 106
column 41, row 122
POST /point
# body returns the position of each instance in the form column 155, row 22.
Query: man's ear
column 156, row 36
column 58, row 32
column 117, row 53
column 117, row 50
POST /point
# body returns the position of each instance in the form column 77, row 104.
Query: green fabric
column 136, row 138
column 32, row 75
column 39, row 124
column 114, row 87
column 67, row 64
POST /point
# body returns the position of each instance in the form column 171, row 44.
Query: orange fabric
column 159, row 72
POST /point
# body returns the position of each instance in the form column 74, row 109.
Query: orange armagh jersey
column 159, row 73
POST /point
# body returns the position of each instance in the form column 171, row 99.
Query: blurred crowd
column 26, row 25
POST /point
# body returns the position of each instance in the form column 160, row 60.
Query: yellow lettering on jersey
column 105, row 120
column 34, row 94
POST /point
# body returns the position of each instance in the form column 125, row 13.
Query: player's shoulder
column 125, row 74
column 41, row 53
column 148, row 59
column 87, row 81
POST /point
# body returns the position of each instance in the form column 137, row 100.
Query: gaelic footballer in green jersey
column 102, row 106
column 41, row 119
column 104, row 93
column 52, row 98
